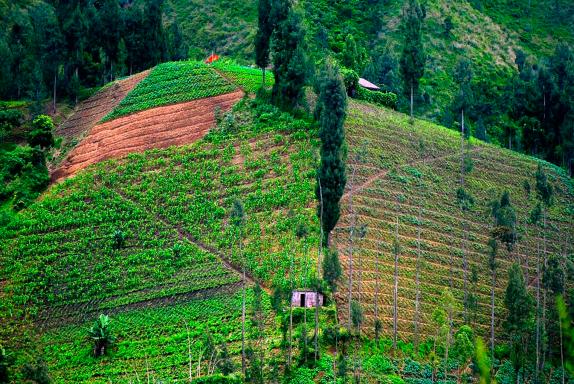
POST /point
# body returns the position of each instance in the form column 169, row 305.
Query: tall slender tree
column 263, row 36
column 237, row 220
column 519, row 304
column 413, row 59
column 290, row 65
column 331, row 112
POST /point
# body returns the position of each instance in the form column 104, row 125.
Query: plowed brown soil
column 160, row 127
column 89, row 112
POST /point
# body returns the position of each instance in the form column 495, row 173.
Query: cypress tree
column 413, row 59
column 520, row 306
column 289, row 57
column 263, row 36
column 331, row 112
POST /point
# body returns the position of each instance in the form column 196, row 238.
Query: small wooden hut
column 306, row 298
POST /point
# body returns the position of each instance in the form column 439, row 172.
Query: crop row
column 249, row 79
column 151, row 340
column 172, row 83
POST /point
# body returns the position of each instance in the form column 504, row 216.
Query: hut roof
column 367, row 84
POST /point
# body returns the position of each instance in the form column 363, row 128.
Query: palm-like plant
column 101, row 334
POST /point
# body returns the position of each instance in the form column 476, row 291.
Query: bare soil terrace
column 160, row 127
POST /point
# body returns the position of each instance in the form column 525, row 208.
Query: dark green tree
column 517, row 325
column 331, row 176
column 352, row 55
column 332, row 268
column 36, row 373
column 504, row 221
column 464, row 97
column 290, row 63
column 263, row 36
column 413, row 58
column 41, row 134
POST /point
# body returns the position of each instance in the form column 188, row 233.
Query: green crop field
column 172, row 206
column 249, row 79
column 151, row 342
column 172, row 83
column 409, row 175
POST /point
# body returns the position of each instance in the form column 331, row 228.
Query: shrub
column 386, row 99
column 217, row 379
column 36, row 373
column 41, row 134
column 351, row 80
column 101, row 334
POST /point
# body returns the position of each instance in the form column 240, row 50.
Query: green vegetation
column 172, row 83
column 246, row 78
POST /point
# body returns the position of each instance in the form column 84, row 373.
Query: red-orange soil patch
column 161, row 127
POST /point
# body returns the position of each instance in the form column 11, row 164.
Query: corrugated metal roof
column 367, row 84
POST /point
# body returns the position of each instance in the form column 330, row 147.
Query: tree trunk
column 243, row 364
column 396, row 288
column 55, row 82
column 538, row 312
column 462, row 151
column 290, row 331
column 492, row 315
column 412, row 101
column 318, row 276
column 351, row 234
column 464, row 274
column 417, row 282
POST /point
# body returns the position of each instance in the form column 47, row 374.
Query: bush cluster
column 386, row 99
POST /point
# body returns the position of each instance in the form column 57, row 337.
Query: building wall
column 309, row 298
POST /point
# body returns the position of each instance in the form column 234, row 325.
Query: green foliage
column 505, row 221
column 357, row 316
column 5, row 363
column 217, row 379
column 465, row 199
column 248, row 79
column 290, row 63
column 386, row 99
column 119, row 240
column 332, row 270
column 36, row 373
column 101, row 335
column 331, row 176
column 171, row 83
column 518, row 302
column 41, row 132
column 23, row 175
column 263, row 36
column 413, row 58
column 9, row 119
column 544, row 190
column 351, row 80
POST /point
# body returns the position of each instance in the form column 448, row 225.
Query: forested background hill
column 518, row 63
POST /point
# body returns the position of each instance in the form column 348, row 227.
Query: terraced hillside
column 146, row 239
column 89, row 112
column 176, row 104
column 405, row 187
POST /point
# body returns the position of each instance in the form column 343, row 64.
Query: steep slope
column 405, row 187
column 147, row 237
column 89, row 112
column 176, row 104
